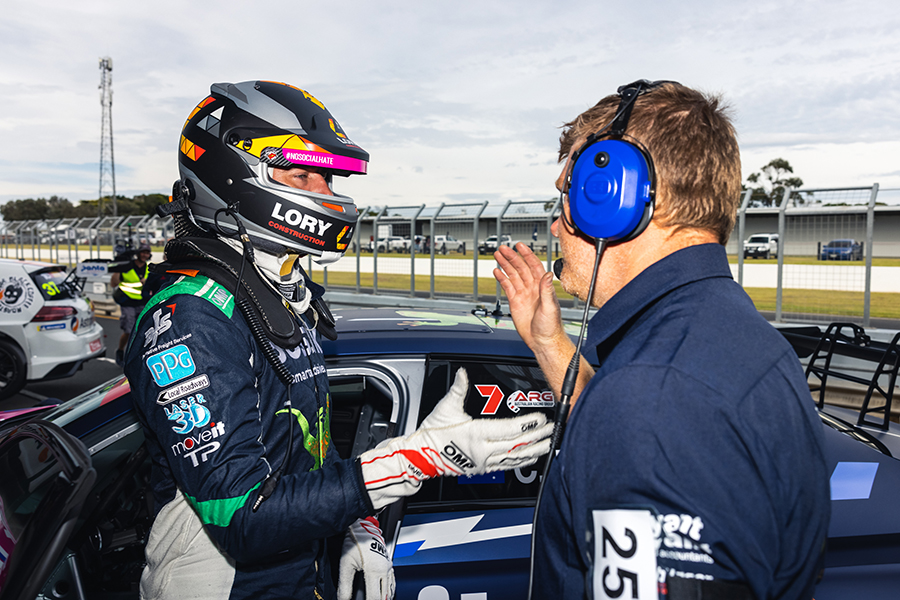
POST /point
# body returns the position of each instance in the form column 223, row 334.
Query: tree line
column 56, row 207
column 768, row 185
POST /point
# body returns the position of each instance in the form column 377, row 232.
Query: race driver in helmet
column 229, row 379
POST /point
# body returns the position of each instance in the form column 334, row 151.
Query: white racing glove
column 364, row 551
column 450, row 442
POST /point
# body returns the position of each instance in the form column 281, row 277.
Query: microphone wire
column 562, row 408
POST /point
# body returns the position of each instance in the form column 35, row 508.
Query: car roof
column 29, row 265
column 424, row 331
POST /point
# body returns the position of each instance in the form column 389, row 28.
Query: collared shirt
column 699, row 425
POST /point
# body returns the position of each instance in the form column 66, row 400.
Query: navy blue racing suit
column 217, row 420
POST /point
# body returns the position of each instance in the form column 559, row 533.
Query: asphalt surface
column 93, row 373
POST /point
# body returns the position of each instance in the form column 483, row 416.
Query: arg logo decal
column 516, row 401
column 171, row 365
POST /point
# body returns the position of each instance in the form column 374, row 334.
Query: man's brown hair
column 694, row 149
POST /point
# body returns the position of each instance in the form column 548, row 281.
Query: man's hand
column 535, row 312
column 450, row 442
column 364, row 550
column 532, row 299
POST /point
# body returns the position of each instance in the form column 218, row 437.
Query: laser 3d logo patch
column 171, row 365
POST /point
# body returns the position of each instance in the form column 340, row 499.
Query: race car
column 75, row 491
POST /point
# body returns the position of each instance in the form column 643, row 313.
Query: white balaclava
column 282, row 272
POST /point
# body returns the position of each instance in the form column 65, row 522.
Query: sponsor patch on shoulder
column 171, row 365
column 185, row 388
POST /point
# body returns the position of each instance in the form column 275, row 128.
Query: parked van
column 761, row 245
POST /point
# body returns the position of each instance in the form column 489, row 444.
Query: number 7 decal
column 494, row 396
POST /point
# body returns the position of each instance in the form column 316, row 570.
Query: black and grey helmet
column 232, row 140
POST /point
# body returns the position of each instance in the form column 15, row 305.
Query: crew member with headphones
column 692, row 460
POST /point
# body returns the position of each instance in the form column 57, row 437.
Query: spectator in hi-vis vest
column 129, row 283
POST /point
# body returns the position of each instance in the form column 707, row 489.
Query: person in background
column 128, row 283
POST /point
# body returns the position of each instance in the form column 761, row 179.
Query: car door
column 47, row 475
column 472, row 535
column 372, row 400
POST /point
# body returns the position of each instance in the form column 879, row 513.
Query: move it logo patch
column 171, row 365
column 516, row 401
column 16, row 295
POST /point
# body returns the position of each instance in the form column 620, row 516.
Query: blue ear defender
column 611, row 190
column 611, row 185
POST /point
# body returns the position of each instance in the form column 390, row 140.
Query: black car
column 76, row 507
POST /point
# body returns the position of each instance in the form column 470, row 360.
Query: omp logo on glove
column 456, row 456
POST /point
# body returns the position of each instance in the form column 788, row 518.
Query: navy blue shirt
column 699, row 428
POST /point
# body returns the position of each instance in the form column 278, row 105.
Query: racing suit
column 217, row 421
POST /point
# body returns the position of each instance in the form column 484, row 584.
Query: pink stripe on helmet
column 324, row 160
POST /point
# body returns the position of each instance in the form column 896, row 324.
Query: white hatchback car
column 47, row 327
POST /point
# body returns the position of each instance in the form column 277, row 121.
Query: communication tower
column 107, row 160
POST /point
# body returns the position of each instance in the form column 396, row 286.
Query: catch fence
column 821, row 271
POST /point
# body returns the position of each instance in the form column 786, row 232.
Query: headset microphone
column 558, row 267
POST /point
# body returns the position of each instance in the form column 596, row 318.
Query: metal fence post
column 475, row 252
column 359, row 219
column 500, row 237
column 870, row 231
column 742, row 216
column 412, row 252
column 550, row 219
column 431, row 246
column 781, row 244
column 375, row 250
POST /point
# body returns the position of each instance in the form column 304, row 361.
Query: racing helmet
column 235, row 137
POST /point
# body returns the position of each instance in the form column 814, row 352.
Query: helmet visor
column 288, row 150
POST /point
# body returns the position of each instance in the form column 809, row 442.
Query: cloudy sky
column 454, row 101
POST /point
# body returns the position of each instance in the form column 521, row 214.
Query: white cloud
column 452, row 101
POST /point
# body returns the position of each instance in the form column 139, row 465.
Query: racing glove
column 364, row 551
column 450, row 442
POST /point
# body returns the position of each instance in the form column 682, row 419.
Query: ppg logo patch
column 171, row 365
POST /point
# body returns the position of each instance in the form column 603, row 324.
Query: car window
column 360, row 413
column 759, row 239
column 28, row 468
column 496, row 389
column 50, row 283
